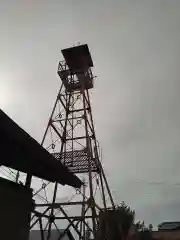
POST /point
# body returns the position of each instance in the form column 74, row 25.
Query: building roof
column 18, row 150
column 36, row 235
column 167, row 226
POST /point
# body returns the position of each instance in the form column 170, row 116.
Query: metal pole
column 56, row 184
column 103, row 174
column 89, row 163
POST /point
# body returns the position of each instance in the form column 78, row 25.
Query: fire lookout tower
column 70, row 137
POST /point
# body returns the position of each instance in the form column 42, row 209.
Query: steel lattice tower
column 70, row 137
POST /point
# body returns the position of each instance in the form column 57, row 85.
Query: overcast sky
column 135, row 49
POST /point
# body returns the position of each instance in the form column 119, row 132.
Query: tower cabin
column 75, row 71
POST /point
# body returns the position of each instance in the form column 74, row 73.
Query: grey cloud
column 135, row 48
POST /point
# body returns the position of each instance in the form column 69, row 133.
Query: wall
column 15, row 211
column 171, row 235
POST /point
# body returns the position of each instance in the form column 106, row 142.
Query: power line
column 176, row 184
